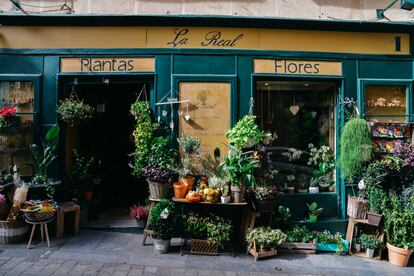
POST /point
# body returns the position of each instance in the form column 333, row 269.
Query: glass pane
column 16, row 127
column 386, row 103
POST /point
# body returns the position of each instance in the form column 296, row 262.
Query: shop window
column 386, row 103
column 301, row 116
column 16, row 131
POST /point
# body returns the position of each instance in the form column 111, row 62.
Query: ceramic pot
column 225, row 199
column 313, row 218
column 370, row 253
column 313, row 190
column 180, row 189
column 323, row 188
column 237, row 194
column 189, row 180
column 357, row 247
column 398, row 256
column 374, row 218
column 158, row 190
column 161, row 246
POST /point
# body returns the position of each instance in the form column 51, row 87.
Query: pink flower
column 2, row 199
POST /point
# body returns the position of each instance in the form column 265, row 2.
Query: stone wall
column 309, row 9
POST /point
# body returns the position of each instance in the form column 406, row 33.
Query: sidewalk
column 109, row 253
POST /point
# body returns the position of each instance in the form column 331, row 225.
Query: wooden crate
column 204, row 247
column 298, row 248
column 259, row 253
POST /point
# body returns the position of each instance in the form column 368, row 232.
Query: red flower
column 7, row 111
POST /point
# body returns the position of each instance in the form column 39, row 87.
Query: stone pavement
column 110, row 253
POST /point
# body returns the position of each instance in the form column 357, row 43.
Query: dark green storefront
column 207, row 49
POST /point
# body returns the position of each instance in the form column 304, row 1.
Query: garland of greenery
column 356, row 146
column 143, row 134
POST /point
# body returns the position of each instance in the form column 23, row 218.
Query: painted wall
column 310, row 9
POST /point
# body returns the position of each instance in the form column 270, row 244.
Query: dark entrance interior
column 108, row 139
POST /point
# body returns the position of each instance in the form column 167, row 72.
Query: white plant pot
column 161, row 246
column 225, row 199
column 370, row 253
column 313, row 190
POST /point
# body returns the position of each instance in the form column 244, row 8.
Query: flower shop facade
column 201, row 74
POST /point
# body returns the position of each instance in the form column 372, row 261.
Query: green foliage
column 143, row 134
column 355, row 145
column 377, row 199
column 326, row 237
column 240, row 166
column 244, row 131
column 211, row 227
column 299, row 234
column 74, row 111
column 161, row 155
column 285, row 213
column 81, row 174
column 162, row 228
column 189, row 144
column 43, row 158
column 314, row 210
column 370, row 242
column 399, row 223
column 265, row 237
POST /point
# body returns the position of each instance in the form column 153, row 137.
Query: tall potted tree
column 162, row 222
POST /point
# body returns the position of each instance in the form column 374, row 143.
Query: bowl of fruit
column 38, row 211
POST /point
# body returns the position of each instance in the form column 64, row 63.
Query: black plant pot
column 374, row 219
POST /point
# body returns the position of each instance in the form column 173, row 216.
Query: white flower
column 361, row 185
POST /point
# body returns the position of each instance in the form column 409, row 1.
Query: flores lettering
column 106, row 65
column 293, row 67
column 210, row 39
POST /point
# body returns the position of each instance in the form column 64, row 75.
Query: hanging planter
column 74, row 111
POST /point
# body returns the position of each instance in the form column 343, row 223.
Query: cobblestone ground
column 109, row 253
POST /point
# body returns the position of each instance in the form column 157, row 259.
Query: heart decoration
column 294, row 109
column 187, row 117
column 313, row 113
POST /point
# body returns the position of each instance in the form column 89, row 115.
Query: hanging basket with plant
column 74, row 111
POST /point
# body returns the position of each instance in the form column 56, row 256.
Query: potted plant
column 221, row 184
column 74, row 111
column 299, row 240
column 325, row 241
column 8, row 119
column 303, row 183
column 246, row 133
column 314, row 211
column 239, row 167
column 357, row 206
column 290, row 183
column 81, row 174
column 399, row 221
column 314, row 185
column 159, row 181
column 43, row 158
column 225, row 193
column 284, row 213
column 140, row 214
column 189, row 146
column 370, row 243
column 161, row 223
column 263, row 242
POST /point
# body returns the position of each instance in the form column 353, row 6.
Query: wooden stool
column 43, row 230
column 147, row 232
column 60, row 221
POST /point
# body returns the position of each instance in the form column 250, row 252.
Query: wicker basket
column 13, row 231
column 204, row 247
column 357, row 208
column 37, row 216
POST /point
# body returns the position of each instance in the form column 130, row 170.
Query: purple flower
column 405, row 151
column 156, row 175
column 2, row 199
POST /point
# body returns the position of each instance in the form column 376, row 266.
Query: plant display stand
column 60, row 218
column 260, row 253
column 353, row 224
column 298, row 248
column 147, row 232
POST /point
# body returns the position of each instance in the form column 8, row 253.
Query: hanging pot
column 357, row 208
column 398, row 256
column 237, row 194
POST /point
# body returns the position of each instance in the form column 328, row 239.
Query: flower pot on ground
column 370, row 243
column 263, row 242
column 314, row 211
column 140, row 213
column 398, row 256
column 162, row 222
column 370, row 252
column 180, row 189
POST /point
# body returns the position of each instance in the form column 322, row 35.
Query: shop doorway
column 107, row 138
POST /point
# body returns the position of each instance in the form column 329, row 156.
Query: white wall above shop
column 309, row 9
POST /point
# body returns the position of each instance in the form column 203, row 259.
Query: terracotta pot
column 237, row 194
column 189, row 180
column 88, row 196
column 180, row 189
column 398, row 256
column 357, row 208
column 158, row 190
column 374, row 218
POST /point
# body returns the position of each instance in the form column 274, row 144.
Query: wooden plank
column 183, row 200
